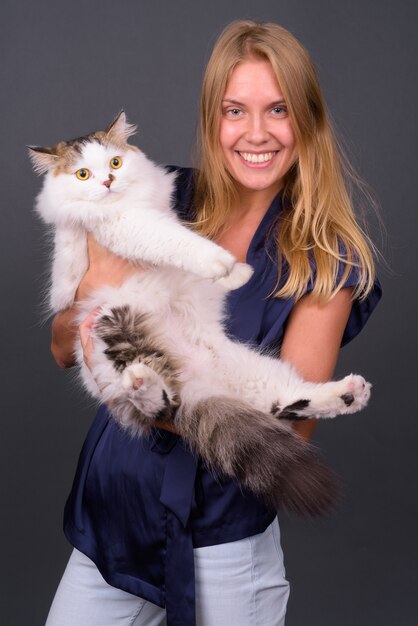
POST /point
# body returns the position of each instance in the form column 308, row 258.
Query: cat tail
column 261, row 453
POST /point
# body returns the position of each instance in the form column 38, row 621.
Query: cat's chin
column 112, row 195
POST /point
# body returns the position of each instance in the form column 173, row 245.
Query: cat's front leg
column 70, row 263
column 159, row 239
column 324, row 400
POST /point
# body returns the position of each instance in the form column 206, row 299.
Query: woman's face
column 256, row 136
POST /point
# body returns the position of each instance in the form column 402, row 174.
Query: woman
column 145, row 515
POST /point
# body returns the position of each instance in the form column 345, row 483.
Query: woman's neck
column 252, row 203
column 243, row 220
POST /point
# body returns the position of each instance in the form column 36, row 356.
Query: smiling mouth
column 251, row 157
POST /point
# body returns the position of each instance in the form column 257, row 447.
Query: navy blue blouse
column 139, row 506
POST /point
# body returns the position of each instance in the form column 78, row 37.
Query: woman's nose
column 257, row 131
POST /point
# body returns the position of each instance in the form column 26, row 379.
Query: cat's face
column 98, row 172
column 97, row 168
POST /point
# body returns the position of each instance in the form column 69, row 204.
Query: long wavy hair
column 319, row 222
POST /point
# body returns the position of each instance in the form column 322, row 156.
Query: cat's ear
column 43, row 158
column 120, row 130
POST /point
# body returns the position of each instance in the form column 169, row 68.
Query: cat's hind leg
column 148, row 391
column 143, row 383
column 274, row 386
column 323, row 400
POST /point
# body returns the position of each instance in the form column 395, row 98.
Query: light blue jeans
column 241, row 583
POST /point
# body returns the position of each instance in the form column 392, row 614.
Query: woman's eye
column 116, row 162
column 82, row 174
column 233, row 112
column 282, row 111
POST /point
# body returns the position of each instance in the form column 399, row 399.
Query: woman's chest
column 237, row 239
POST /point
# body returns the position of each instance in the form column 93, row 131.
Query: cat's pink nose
column 109, row 181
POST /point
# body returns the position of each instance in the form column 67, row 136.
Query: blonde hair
column 319, row 221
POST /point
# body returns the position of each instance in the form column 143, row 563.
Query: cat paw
column 216, row 265
column 356, row 393
column 144, row 388
column 239, row 276
column 136, row 377
column 341, row 397
column 148, row 392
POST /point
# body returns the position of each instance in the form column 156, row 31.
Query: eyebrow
column 237, row 102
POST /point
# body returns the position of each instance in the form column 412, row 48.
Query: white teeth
column 257, row 158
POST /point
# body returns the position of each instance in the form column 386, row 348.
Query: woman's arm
column 312, row 341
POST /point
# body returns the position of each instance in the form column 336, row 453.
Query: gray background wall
column 67, row 68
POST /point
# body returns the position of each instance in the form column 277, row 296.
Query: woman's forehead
column 255, row 79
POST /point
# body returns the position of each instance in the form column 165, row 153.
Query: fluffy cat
column 160, row 350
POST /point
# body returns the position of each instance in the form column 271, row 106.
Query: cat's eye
column 82, row 174
column 116, row 162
